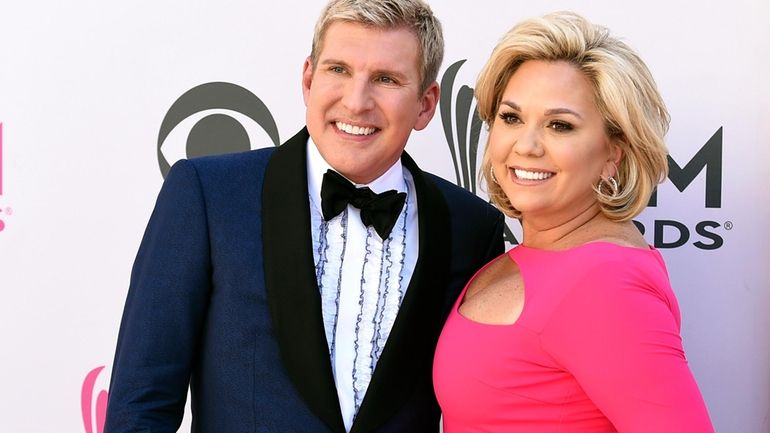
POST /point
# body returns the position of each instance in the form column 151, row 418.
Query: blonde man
column 307, row 287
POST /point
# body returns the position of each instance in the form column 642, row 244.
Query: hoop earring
column 612, row 185
column 492, row 175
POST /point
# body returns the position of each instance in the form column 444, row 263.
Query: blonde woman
column 577, row 328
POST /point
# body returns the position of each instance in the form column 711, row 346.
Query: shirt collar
column 393, row 178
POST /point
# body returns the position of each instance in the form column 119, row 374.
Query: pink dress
column 596, row 349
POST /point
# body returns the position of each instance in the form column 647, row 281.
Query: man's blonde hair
column 413, row 15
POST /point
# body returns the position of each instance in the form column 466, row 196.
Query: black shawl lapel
column 292, row 290
column 407, row 360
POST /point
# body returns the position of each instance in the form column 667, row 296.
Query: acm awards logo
column 462, row 127
column 706, row 234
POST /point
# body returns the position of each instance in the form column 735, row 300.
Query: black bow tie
column 378, row 210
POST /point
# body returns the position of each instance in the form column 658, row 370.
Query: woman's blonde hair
column 634, row 114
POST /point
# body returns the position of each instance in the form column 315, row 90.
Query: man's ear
column 428, row 101
column 307, row 79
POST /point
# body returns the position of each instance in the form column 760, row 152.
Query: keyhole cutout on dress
column 496, row 295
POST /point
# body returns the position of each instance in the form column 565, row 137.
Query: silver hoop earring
column 611, row 183
column 492, row 175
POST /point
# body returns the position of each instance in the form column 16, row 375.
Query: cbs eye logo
column 214, row 118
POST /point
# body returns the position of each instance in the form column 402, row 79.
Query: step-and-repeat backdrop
column 98, row 98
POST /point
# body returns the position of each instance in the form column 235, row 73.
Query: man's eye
column 561, row 126
column 509, row 118
column 387, row 80
column 337, row 69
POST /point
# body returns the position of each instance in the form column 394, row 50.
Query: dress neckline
column 591, row 244
column 526, row 249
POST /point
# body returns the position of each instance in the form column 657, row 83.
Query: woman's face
column 548, row 145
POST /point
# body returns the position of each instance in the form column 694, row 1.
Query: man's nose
column 358, row 95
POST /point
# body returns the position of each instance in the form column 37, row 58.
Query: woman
column 577, row 328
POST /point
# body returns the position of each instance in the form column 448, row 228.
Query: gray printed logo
column 216, row 133
column 463, row 141
column 462, row 129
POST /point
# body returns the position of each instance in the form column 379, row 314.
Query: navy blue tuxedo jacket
column 223, row 299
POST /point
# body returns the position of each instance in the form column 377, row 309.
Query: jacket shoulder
column 233, row 160
column 461, row 201
column 238, row 168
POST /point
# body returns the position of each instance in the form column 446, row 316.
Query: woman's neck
column 558, row 233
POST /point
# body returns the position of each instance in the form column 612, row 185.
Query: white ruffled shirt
column 362, row 278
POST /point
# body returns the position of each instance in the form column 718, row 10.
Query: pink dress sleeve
column 617, row 332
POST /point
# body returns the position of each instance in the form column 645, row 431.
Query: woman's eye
column 509, row 118
column 561, row 126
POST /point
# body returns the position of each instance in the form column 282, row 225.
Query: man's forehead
column 346, row 41
column 368, row 27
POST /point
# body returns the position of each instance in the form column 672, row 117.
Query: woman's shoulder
column 596, row 264
column 615, row 271
column 609, row 247
column 594, row 252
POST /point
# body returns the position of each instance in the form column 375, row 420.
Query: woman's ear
column 614, row 156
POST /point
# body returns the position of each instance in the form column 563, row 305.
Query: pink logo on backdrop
column 93, row 408
column 1, row 159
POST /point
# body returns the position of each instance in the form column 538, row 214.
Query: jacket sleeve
column 164, row 311
column 496, row 241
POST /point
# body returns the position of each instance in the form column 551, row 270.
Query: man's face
column 363, row 98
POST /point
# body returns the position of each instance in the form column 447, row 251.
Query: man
column 289, row 299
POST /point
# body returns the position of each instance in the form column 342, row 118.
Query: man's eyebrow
column 333, row 62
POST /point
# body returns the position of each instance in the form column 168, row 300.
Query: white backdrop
column 85, row 85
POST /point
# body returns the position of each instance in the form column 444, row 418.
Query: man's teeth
column 532, row 175
column 355, row 130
